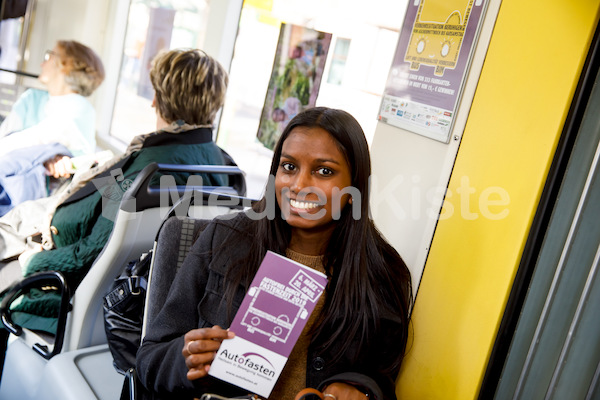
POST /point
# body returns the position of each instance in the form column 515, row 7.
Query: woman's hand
column 59, row 167
column 200, row 347
column 343, row 391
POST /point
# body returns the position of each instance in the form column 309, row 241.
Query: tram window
column 10, row 32
column 13, row 15
column 9, row 50
column 11, row 26
column 152, row 26
column 338, row 61
column 364, row 38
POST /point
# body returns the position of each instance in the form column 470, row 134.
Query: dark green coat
column 82, row 228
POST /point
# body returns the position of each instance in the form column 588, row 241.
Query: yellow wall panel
column 530, row 73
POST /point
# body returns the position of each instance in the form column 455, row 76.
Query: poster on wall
column 295, row 79
column 432, row 59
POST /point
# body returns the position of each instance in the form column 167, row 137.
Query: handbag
column 308, row 392
column 124, row 312
column 304, row 393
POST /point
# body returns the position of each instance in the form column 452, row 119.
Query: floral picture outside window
column 295, row 79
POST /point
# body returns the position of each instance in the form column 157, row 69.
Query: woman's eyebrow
column 317, row 160
column 327, row 160
column 285, row 155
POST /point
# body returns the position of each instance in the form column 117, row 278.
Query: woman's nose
column 300, row 181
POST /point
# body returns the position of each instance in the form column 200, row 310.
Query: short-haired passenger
column 354, row 342
column 62, row 114
column 190, row 88
column 45, row 128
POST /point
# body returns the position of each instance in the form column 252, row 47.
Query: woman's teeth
column 303, row 204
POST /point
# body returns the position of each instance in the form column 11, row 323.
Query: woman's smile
column 303, row 205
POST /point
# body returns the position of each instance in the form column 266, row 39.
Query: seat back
column 174, row 241
column 9, row 93
column 142, row 210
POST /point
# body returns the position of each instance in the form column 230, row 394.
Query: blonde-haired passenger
column 61, row 114
column 193, row 73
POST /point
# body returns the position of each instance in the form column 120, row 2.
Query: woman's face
column 51, row 66
column 311, row 174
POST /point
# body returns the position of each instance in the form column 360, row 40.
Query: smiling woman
column 311, row 172
column 354, row 341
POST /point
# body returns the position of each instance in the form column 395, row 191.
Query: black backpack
column 124, row 312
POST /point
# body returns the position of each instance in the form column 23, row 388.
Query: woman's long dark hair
column 369, row 281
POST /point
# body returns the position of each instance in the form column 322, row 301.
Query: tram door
column 555, row 351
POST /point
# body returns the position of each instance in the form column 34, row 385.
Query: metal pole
column 21, row 73
column 25, row 37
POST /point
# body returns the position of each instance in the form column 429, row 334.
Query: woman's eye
column 288, row 166
column 325, row 171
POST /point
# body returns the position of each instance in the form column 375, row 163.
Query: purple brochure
column 267, row 325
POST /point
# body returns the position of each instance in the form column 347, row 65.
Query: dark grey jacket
column 196, row 301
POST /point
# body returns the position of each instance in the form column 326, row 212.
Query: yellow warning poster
column 431, row 61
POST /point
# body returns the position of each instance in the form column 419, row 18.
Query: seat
column 9, row 93
column 172, row 245
column 76, row 363
column 173, row 242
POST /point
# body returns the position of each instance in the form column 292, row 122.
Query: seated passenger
column 354, row 342
column 189, row 90
column 45, row 125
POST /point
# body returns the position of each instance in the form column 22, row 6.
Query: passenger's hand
column 200, row 347
column 59, row 167
column 343, row 391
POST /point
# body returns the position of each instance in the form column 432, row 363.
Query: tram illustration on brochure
column 275, row 315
